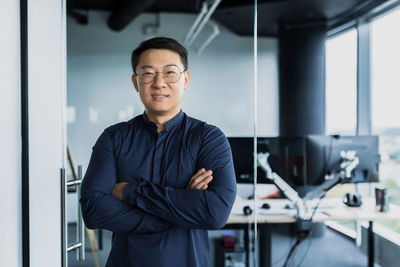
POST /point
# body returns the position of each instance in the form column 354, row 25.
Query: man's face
column 160, row 97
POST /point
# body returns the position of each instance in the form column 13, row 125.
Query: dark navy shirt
column 159, row 222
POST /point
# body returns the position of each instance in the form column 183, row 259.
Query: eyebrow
column 151, row 67
column 146, row 66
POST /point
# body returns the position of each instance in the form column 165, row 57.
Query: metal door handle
column 64, row 245
column 80, row 230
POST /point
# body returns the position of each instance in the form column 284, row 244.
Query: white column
column 10, row 136
column 46, row 83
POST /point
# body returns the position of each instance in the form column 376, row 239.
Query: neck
column 160, row 119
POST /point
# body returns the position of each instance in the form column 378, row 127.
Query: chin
column 159, row 109
column 162, row 111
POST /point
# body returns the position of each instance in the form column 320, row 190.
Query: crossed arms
column 145, row 207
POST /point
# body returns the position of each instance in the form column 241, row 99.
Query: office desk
column 329, row 210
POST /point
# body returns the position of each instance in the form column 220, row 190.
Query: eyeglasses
column 171, row 74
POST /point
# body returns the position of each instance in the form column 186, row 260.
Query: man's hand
column 200, row 180
column 118, row 190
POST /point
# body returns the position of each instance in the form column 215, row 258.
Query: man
column 162, row 179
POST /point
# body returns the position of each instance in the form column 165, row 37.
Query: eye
column 171, row 72
column 148, row 73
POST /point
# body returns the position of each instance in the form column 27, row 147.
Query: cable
column 292, row 261
column 302, row 235
column 298, row 241
column 284, row 257
column 305, row 254
column 306, row 234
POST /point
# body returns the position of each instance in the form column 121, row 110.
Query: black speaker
column 353, row 200
column 247, row 210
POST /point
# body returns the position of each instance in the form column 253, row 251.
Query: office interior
column 66, row 77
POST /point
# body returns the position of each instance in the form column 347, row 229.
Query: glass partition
column 221, row 92
column 385, row 56
column 235, row 85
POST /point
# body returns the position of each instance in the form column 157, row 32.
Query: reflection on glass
column 99, row 77
column 341, row 96
column 385, row 58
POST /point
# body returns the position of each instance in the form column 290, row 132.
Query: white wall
column 10, row 136
column 221, row 89
column 46, row 103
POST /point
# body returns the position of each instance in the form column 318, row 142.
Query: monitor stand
column 306, row 206
column 303, row 190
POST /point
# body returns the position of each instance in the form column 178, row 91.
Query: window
column 341, row 97
column 385, row 98
column 341, row 84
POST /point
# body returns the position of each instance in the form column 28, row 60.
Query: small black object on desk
column 247, row 210
column 266, row 206
column 352, row 200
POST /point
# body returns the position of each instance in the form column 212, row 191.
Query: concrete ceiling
column 236, row 15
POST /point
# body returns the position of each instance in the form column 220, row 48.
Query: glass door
column 221, row 92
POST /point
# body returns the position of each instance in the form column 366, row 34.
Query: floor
column 328, row 249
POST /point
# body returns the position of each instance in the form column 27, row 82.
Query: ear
column 187, row 79
column 134, row 81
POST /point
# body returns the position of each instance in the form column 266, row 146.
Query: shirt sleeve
column 99, row 208
column 198, row 209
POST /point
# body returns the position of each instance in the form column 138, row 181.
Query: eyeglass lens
column 171, row 74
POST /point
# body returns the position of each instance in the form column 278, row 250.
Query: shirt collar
column 168, row 125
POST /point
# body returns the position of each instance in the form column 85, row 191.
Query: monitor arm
column 303, row 209
column 289, row 192
column 348, row 164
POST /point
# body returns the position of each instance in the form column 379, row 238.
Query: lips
column 159, row 96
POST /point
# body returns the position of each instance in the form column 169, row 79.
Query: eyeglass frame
column 155, row 73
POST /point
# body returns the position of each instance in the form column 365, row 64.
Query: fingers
column 199, row 173
column 200, row 180
column 118, row 190
column 203, row 183
column 200, row 176
column 195, row 178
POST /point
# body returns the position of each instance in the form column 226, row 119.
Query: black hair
column 159, row 43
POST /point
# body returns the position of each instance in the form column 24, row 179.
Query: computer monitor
column 243, row 161
column 323, row 157
column 288, row 158
column 304, row 161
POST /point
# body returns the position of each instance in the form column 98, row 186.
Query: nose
column 159, row 79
